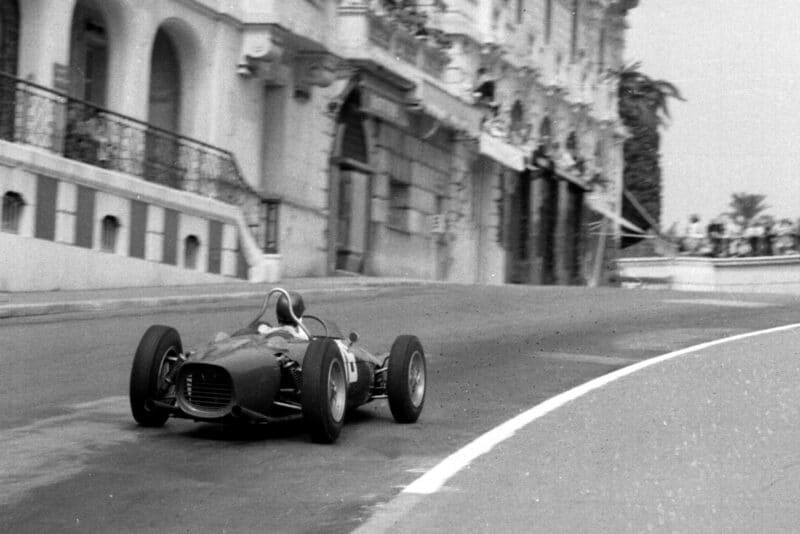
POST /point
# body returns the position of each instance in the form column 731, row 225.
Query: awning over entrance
column 502, row 152
column 449, row 109
column 609, row 214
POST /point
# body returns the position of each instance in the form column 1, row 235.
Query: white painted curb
column 435, row 478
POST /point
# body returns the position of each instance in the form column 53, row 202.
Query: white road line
column 435, row 479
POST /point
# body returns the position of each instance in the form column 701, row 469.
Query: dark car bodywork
column 263, row 373
column 257, row 378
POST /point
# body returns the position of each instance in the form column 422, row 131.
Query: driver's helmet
column 282, row 309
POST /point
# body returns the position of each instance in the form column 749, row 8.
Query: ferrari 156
column 264, row 373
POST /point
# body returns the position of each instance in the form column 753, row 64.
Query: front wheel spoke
column 415, row 378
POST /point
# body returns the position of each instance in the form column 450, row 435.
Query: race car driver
column 286, row 319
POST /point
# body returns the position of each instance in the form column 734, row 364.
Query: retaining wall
column 61, row 239
column 762, row 274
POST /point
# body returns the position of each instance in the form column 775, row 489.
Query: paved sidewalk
column 27, row 304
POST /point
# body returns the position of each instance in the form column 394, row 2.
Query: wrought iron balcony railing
column 36, row 115
column 79, row 130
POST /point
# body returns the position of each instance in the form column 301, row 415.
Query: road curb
column 12, row 311
column 53, row 308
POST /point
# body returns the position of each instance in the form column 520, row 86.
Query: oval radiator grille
column 207, row 388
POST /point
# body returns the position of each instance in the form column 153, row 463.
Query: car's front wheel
column 324, row 390
column 406, row 379
column 156, row 356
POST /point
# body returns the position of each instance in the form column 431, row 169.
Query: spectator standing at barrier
column 728, row 235
column 796, row 236
column 694, row 235
column 753, row 235
column 795, row 233
column 769, row 239
column 733, row 232
column 784, row 237
column 715, row 231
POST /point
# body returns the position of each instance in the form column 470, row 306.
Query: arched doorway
column 351, row 188
column 88, row 55
column 88, row 81
column 164, row 97
column 164, row 113
column 9, row 53
column 9, row 36
column 572, row 142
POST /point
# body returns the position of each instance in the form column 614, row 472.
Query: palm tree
column 745, row 207
column 643, row 100
column 643, row 108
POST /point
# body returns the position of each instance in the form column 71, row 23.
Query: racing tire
column 324, row 390
column 157, row 344
column 406, row 379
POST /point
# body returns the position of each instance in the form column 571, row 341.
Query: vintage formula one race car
column 263, row 373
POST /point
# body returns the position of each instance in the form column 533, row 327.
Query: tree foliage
column 643, row 100
column 644, row 109
column 746, row 207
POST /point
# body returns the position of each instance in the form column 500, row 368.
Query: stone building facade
column 461, row 140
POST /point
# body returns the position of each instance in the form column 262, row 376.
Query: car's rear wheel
column 324, row 390
column 406, row 379
column 156, row 356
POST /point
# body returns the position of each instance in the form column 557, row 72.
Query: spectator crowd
column 725, row 237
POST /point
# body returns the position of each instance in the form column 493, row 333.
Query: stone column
column 129, row 68
column 537, row 197
column 561, row 245
column 44, row 38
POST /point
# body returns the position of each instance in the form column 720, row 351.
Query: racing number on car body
column 350, row 360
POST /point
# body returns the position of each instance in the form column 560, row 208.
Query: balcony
column 395, row 29
column 459, row 17
column 35, row 115
column 303, row 20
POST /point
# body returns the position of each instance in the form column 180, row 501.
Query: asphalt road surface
column 72, row 459
column 699, row 440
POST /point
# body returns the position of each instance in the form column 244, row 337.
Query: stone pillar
column 573, row 240
column 154, row 239
column 537, row 198
column 66, row 206
column 44, row 38
column 129, row 68
column 547, row 190
column 561, row 245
